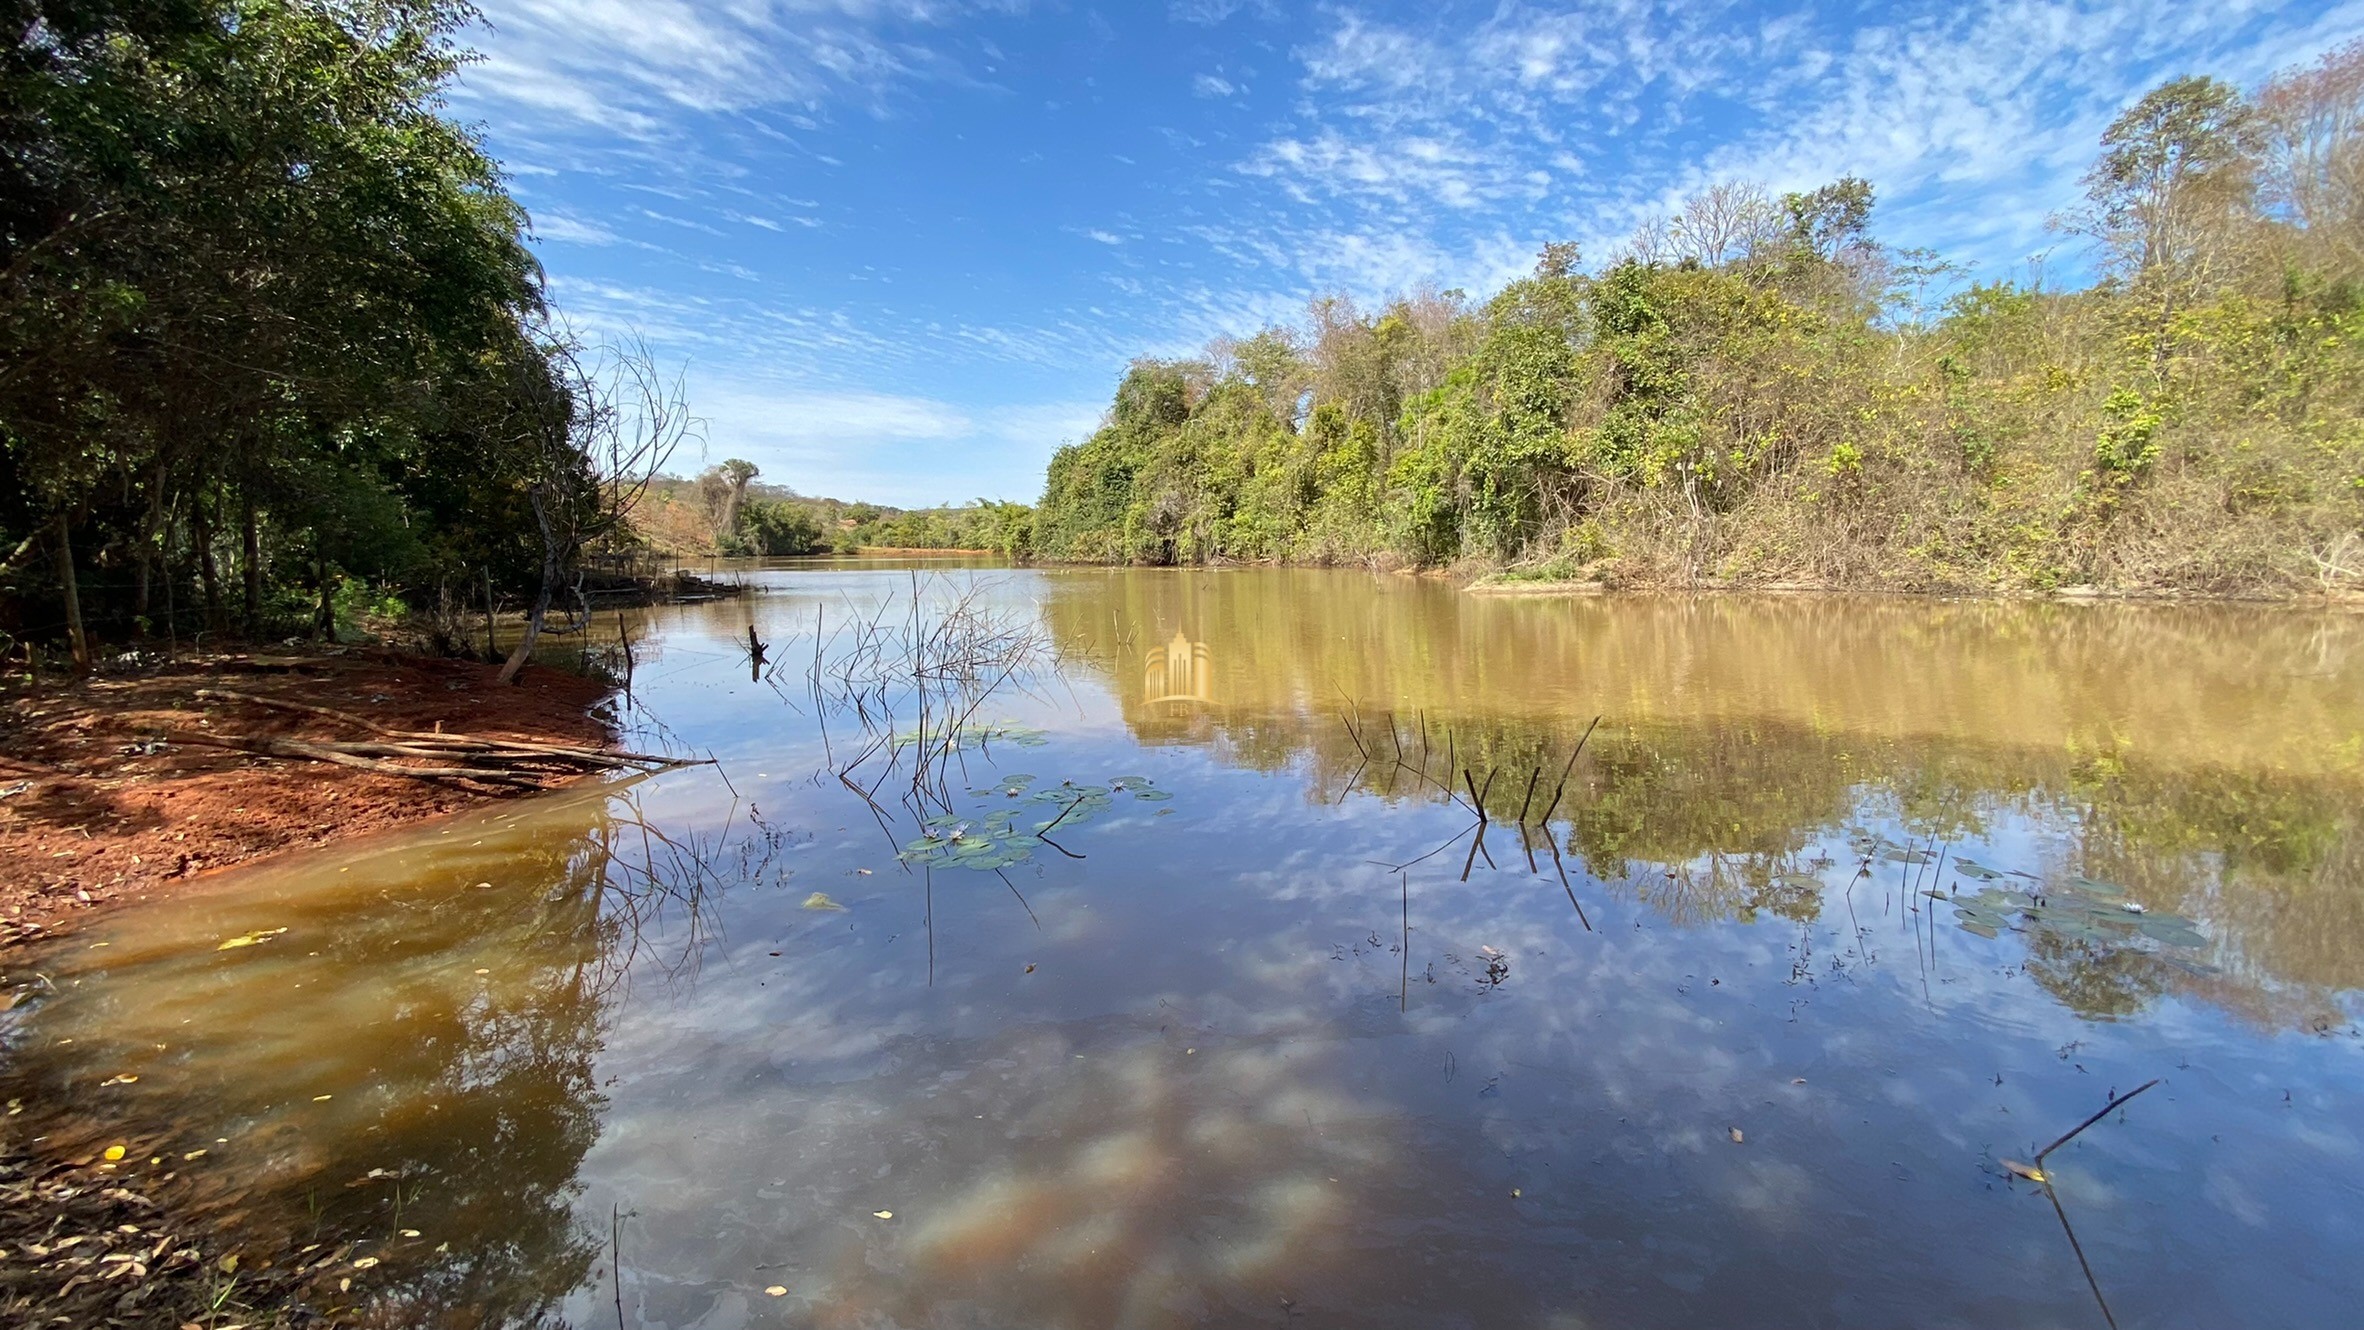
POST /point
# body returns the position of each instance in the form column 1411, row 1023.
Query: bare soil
column 105, row 800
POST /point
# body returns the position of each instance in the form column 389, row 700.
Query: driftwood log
column 520, row 763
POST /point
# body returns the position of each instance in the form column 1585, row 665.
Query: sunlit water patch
column 1163, row 973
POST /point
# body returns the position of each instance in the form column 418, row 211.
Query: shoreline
column 1492, row 584
column 102, row 810
column 120, row 789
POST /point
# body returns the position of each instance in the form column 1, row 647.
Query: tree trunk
column 143, row 563
column 492, row 648
column 251, row 568
column 139, row 592
column 172, row 618
column 65, row 580
column 201, row 535
column 324, row 617
column 533, row 626
column 549, row 587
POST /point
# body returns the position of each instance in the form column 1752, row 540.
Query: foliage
column 726, row 510
column 1757, row 391
column 267, row 322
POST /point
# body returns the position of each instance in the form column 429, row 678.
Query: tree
column 1728, row 222
column 2175, row 167
column 735, row 474
column 260, row 301
column 777, row 527
column 2310, row 124
column 598, row 430
column 1830, row 221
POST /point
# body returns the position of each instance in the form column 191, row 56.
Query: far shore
column 1496, row 585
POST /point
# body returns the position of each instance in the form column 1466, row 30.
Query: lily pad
column 2173, row 931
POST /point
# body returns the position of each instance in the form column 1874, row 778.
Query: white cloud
column 905, row 450
column 801, row 421
column 626, row 66
column 568, row 230
column 1046, row 426
column 1104, row 237
column 683, row 222
column 1213, row 85
column 1208, row 13
column 1972, row 120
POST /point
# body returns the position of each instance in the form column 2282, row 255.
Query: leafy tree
column 1756, row 392
column 2175, row 168
column 266, row 320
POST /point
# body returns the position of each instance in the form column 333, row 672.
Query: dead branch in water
column 436, row 743
column 2106, row 1110
column 339, row 755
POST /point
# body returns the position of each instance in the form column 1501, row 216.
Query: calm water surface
column 1830, row 920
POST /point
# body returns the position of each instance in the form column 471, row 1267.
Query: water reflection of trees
column 1741, row 735
column 454, row 1027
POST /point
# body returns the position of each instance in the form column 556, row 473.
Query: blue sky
column 904, row 248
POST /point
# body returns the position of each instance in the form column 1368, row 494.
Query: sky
column 902, row 250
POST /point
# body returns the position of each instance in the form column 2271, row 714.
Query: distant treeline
column 272, row 347
column 726, row 510
column 1757, row 391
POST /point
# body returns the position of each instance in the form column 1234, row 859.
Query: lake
column 1092, row 948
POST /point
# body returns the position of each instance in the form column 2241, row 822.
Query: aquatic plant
column 995, row 839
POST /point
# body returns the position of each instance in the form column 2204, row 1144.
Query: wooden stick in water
column 1562, row 788
column 2106, row 1110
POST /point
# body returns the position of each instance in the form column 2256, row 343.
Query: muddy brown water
column 1830, row 921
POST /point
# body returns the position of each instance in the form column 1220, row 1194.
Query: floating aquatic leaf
column 2028, row 1171
column 819, row 900
column 1979, row 927
column 1973, row 869
column 115, row 1153
column 777, row 1291
column 2172, row 931
column 993, row 840
column 882, row 1214
column 2093, row 888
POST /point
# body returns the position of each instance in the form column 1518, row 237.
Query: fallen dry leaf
column 250, row 939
